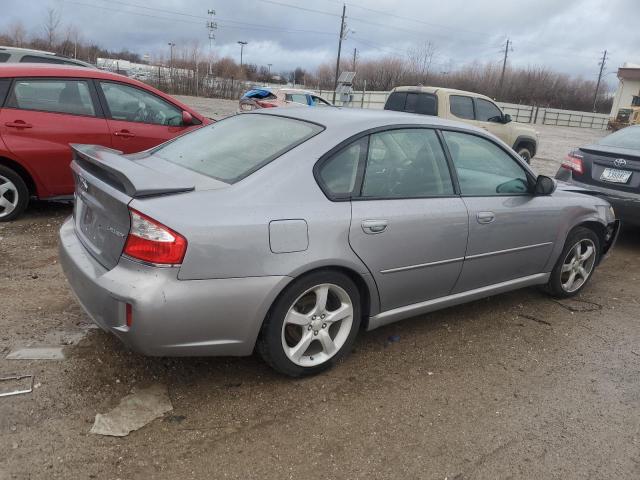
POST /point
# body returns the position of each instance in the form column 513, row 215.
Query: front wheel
column 525, row 154
column 576, row 263
column 312, row 325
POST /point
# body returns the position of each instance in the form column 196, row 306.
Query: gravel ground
column 515, row 386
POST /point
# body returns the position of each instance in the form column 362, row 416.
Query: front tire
column 14, row 194
column 312, row 325
column 525, row 153
column 576, row 264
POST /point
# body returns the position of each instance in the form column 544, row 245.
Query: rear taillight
column 153, row 242
column 265, row 104
column 573, row 162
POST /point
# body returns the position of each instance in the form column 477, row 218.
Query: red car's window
column 52, row 95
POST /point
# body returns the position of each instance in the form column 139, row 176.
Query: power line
column 225, row 25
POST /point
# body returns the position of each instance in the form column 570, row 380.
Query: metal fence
column 520, row 113
column 575, row 119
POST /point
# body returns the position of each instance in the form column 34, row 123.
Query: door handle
column 485, row 217
column 124, row 134
column 18, row 124
column 371, row 227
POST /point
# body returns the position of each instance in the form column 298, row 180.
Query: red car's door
column 139, row 119
column 41, row 117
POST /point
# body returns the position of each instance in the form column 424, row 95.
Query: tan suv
column 467, row 107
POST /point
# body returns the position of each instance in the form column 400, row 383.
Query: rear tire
column 576, row 263
column 312, row 324
column 525, row 153
column 14, row 194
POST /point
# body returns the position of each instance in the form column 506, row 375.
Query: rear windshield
column 626, row 138
column 234, row 148
column 423, row 103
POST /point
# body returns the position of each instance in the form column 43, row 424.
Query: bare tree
column 420, row 60
column 52, row 22
column 17, row 33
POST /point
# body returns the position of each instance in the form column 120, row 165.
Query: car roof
column 295, row 90
column 27, row 50
column 424, row 89
column 354, row 120
column 54, row 70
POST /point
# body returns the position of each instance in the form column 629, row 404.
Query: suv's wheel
column 313, row 324
column 525, row 153
column 576, row 263
column 14, row 194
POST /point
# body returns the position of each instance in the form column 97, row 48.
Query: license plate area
column 613, row 175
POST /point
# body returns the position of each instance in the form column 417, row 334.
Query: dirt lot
column 516, row 386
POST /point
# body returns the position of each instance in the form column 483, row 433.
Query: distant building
column 629, row 76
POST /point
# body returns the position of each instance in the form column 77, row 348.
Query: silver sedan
column 291, row 230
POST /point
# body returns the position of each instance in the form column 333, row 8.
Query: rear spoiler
column 128, row 176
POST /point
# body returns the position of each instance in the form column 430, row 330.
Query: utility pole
column 602, row 63
column 212, row 27
column 242, row 44
column 335, row 82
column 269, row 67
column 171, row 45
column 355, row 56
column 504, row 66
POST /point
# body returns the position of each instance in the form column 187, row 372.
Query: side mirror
column 545, row 185
column 187, row 119
column 506, row 118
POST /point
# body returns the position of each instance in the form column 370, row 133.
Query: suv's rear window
column 4, row 57
column 423, row 103
column 234, row 148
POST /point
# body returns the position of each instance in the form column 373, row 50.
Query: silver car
column 290, row 230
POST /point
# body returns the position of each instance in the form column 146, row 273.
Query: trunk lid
column 598, row 158
column 105, row 184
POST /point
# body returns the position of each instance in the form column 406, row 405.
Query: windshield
column 234, row 148
column 626, row 138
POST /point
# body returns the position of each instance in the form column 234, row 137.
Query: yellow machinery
column 627, row 116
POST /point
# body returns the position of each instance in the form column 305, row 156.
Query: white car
column 267, row 97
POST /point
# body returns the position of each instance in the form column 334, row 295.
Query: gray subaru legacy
column 291, row 230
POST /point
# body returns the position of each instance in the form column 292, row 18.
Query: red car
column 44, row 108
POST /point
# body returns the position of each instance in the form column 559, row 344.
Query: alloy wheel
column 317, row 325
column 8, row 196
column 578, row 265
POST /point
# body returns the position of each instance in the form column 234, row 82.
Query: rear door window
column 233, row 148
column 406, row 164
column 461, row 106
column 52, row 95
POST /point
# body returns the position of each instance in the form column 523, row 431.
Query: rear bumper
column 626, row 205
column 171, row 317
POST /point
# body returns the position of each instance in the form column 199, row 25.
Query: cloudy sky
column 566, row 35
